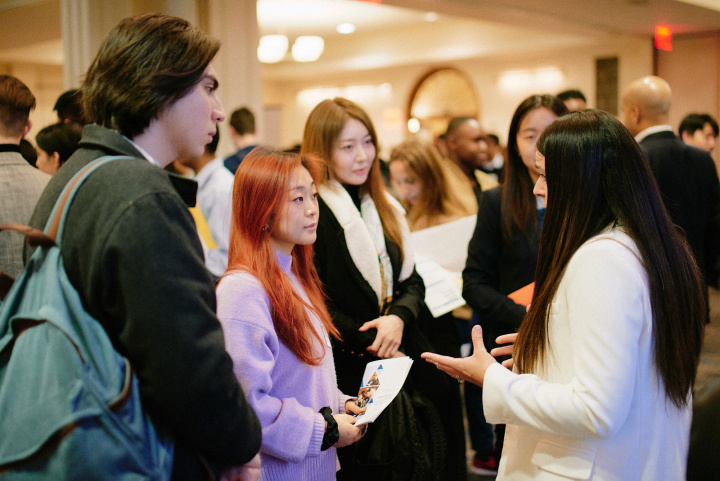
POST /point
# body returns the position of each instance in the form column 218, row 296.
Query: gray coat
column 20, row 187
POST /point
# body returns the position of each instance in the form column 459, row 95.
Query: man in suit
column 687, row 176
column 20, row 183
column 699, row 130
column 468, row 150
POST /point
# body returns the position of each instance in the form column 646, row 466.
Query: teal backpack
column 69, row 403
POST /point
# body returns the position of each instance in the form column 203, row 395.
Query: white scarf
column 365, row 238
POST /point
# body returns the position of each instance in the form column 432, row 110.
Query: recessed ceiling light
column 431, row 17
column 345, row 28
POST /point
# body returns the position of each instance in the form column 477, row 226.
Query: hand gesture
column 389, row 335
column 505, row 350
column 467, row 368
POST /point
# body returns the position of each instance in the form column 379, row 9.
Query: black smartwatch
column 332, row 434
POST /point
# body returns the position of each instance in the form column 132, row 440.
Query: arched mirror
column 439, row 95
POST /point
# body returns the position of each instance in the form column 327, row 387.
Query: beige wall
column 497, row 105
column 692, row 69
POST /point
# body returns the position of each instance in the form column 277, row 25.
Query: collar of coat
column 359, row 231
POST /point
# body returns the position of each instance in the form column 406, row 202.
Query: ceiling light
column 430, row 17
column 272, row 48
column 308, row 48
column 345, row 28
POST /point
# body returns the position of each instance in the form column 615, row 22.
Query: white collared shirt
column 145, row 154
column 653, row 130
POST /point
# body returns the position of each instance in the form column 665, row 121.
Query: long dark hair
column 518, row 206
column 597, row 177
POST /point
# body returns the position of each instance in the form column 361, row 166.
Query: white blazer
column 596, row 408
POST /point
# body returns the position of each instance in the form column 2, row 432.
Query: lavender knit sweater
column 285, row 392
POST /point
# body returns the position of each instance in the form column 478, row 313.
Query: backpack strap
column 56, row 221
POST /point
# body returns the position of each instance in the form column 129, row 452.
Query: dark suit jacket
column 496, row 267
column 688, row 181
column 352, row 302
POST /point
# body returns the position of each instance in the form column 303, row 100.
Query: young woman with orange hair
column 277, row 328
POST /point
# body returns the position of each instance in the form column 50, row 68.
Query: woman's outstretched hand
column 505, row 350
column 471, row 368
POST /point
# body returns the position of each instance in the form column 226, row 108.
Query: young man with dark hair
column 468, row 150
column 242, row 132
column 574, row 99
column 20, row 183
column 131, row 248
column 699, row 130
column 69, row 107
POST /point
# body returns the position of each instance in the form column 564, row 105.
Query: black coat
column 131, row 249
column 352, row 301
column 496, row 267
column 688, row 181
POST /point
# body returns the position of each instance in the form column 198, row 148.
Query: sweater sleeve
column 290, row 431
column 155, row 288
column 607, row 314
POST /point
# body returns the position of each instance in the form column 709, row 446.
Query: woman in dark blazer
column 375, row 296
column 503, row 251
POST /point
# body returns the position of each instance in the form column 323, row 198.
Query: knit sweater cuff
column 317, row 436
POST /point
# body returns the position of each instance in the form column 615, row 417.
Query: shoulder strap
column 56, row 221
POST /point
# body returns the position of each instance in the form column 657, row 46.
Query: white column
column 234, row 22
column 85, row 24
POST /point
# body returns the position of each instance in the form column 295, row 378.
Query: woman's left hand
column 351, row 407
column 389, row 335
column 471, row 368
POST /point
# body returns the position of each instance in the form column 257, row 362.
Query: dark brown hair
column 62, row 137
column 16, row 102
column 147, row 63
column 518, row 206
column 597, row 177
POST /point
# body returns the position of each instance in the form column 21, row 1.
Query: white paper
column 440, row 255
column 381, row 382
column 443, row 288
column 445, row 244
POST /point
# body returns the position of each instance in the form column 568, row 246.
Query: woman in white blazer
column 606, row 357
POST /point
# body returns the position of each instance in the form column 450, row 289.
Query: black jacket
column 352, row 302
column 690, row 189
column 495, row 268
column 131, row 249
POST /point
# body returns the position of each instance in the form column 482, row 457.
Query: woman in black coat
column 375, row 296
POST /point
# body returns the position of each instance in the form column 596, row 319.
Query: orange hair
column 260, row 189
